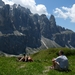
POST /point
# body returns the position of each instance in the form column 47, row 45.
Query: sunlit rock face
column 1, row 3
column 22, row 32
column 18, row 30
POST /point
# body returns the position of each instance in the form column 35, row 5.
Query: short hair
column 61, row 52
column 24, row 54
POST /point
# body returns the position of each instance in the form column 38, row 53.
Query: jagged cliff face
column 1, row 3
column 53, row 25
column 20, row 29
column 65, row 39
column 45, row 26
column 17, row 30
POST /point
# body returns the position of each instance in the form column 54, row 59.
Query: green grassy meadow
column 40, row 65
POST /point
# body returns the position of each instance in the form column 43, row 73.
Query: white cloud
column 8, row 2
column 31, row 4
column 65, row 12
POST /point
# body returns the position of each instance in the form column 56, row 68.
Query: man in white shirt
column 61, row 62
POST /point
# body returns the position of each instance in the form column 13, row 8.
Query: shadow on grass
column 68, row 70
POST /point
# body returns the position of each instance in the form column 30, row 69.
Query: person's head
column 61, row 52
column 24, row 54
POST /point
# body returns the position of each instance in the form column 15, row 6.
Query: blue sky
column 63, row 10
column 51, row 5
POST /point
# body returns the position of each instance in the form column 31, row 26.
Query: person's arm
column 55, row 61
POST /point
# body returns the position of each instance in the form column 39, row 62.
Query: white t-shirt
column 63, row 61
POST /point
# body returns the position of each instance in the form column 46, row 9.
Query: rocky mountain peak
column 1, row 3
column 52, row 20
column 21, row 31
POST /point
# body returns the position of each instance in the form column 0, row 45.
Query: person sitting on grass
column 61, row 62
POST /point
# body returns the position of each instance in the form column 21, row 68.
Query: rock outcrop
column 20, row 30
column 1, row 3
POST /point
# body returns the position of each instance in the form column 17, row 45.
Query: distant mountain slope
column 47, row 43
column 21, row 31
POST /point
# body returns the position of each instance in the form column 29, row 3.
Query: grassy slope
column 42, row 59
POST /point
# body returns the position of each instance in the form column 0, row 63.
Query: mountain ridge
column 1, row 3
column 21, row 30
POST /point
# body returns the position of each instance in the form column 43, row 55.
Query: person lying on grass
column 60, row 62
column 25, row 58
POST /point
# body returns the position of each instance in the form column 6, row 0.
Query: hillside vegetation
column 40, row 65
